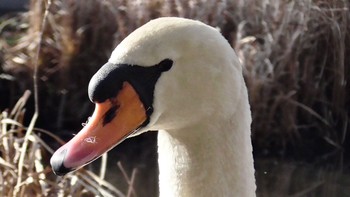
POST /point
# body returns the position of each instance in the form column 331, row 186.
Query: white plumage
column 201, row 108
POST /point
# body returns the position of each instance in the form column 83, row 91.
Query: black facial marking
column 165, row 65
column 108, row 81
column 109, row 115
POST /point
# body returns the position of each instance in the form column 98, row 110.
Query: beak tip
column 57, row 163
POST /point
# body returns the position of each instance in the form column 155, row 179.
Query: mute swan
column 180, row 77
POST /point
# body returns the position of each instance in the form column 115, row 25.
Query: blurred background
column 296, row 58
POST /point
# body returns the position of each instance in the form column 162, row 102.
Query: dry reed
column 296, row 58
column 24, row 169
column 295, row 55
column 37, row 177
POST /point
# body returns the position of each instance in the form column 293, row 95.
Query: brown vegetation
column 295, row 54
column 33, row 176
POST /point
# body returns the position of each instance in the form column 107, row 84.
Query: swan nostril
column 57, row 164
column 110, row 114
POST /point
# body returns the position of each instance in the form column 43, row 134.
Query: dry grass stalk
column 130, row 181
column 37, row 178
column 31, row 179
column 294, row 53
column 18, row 188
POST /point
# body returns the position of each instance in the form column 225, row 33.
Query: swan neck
column 213, row 158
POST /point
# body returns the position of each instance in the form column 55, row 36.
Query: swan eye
column 165, row 65
column 109, row 79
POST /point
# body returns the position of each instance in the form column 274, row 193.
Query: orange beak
column 112, row 121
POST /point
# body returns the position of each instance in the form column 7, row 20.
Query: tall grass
column 297, row 69
column 37, row 178
column 295, row 56
column 294, row 53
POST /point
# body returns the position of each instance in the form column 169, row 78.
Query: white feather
column 200, row 107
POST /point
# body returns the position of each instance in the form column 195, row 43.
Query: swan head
column 168, row 74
